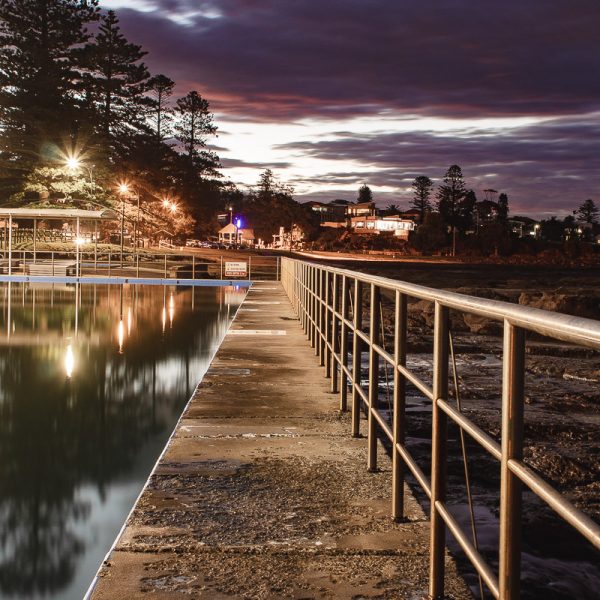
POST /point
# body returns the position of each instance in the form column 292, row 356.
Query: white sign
column 236, row 269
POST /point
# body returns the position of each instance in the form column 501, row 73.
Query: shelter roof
column 58, row 213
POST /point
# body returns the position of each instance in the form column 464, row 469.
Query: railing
column 144, row 263
column 329, row 303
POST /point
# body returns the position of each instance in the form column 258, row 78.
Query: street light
column 74, row 164
column 172, row 206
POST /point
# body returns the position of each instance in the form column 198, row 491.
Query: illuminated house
column 331, row 212
column 361, row 209
column 372, row 224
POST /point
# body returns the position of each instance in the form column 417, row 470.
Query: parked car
column 192, row 243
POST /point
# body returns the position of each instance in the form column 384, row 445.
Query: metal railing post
column 277, row 268
column 326, row 326
column 221, row 267
column 318, row 312
column 165, row 266
column 52, row 264
column 322, row 316
column 109, row 260
column 249, row 268
column 344, row 346
column 311, row 306
column 301, row 304
column 356, row 357
column 513, row 396
column 193, row 266
column 374, row 338
column 335, row 342
column 439, row 451
column 398, row 423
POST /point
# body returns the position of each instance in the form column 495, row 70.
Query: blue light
column 238, row 223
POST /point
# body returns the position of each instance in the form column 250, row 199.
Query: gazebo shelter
column 76, row 215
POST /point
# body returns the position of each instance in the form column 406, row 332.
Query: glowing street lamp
column 72, row 163
column 238, row 227
column 167, row 204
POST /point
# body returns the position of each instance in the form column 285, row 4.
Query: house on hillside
column 331, row 212
column 374, row 225
column 361, row 209
column 524, row 226
column 414, row 215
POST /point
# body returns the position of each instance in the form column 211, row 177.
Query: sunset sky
column 331, row 94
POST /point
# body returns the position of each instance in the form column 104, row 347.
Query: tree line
column 455, row 209
column 72, row 86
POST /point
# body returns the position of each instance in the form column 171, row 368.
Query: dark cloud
column 276, row 61
column 544, row 167
column 332, row 58
column 235, row 162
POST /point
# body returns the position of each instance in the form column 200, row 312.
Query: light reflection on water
column 92, row 381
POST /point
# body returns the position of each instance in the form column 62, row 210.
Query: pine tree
column 117, row 82
column 161, row 89
column 588, row 211
column 422, row 186
column 502, row 207
column 40, row 60
column 195, row 124
column 450, row 193
column 364, row 194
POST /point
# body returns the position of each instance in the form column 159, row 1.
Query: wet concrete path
column 262, row 492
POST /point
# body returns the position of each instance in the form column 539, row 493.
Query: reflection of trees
column 57, row 434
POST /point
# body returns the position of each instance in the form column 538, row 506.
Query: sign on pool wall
column 236, row 269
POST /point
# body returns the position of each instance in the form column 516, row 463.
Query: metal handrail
column 142, row 261
column 319, row 295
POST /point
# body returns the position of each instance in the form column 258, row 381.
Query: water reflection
column 69, row 361
column 83, row 416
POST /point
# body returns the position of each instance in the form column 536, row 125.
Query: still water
column 92, row 381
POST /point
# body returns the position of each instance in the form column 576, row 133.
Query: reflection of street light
column 121, row 335
column 171, row 309
column 69, row 361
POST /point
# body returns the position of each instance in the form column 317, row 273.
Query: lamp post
column 123, row 189
column 170, row 206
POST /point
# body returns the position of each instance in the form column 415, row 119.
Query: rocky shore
column 562, row 415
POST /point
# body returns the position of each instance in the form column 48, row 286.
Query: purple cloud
column 286, row 60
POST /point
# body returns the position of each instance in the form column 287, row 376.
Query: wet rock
column 568, row 302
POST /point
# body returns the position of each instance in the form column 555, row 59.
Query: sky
column 331, row 94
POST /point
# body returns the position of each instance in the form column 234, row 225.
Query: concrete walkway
column 262, row 493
